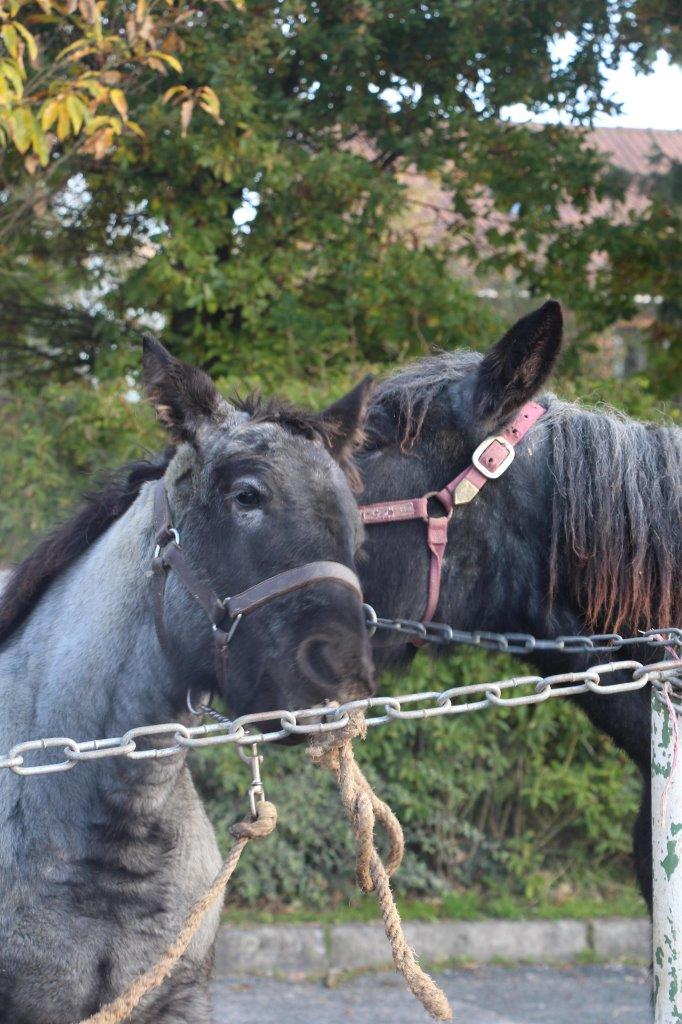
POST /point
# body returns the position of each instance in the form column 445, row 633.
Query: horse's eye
column 248, row 497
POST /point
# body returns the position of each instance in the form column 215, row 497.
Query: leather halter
column 225, row 614
column 492, row 458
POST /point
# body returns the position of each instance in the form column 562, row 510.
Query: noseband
column 225, row 614
column 492, row 458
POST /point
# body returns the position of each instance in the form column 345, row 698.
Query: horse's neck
column 86, row 663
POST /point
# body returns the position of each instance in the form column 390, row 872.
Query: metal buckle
column 492, row 474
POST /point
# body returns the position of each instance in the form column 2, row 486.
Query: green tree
column 312, row 115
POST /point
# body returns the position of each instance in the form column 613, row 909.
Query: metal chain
column 441, row 634
column 457, row 700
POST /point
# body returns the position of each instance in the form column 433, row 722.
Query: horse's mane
column 617, row 517
column 26, row 583
column 62, row 546
column 617, row 502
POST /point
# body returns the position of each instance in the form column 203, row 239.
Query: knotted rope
column 243, row 832
column 363, row 807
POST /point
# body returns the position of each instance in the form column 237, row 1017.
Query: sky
column 649, row 101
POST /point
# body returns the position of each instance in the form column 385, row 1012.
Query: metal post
column 666, row 813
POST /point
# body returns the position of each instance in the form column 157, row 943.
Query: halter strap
column 169, row 555
column 492, row 458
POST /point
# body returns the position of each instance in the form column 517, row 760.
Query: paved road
column 485, row 995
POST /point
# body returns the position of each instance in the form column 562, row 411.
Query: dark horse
column 99, row 865
column 581, row 533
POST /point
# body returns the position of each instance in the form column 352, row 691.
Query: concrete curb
column 311, row 950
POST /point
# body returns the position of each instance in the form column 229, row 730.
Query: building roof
column 630, row 149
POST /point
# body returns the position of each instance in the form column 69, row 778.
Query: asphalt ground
column 484, row 995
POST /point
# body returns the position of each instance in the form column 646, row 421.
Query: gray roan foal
column 99, row 865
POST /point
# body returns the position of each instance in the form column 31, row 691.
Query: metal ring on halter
column 371, row 619
column 176, row 538
column 448, row 511
column 200, row 709
column 233, row 628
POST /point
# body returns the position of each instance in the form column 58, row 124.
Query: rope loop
column 364, row 808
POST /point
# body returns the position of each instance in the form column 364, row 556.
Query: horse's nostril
column 331, row 664
column 315, row 660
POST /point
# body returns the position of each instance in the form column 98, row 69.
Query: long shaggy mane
column 617, row 518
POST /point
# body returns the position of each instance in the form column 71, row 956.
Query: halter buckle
column 476, row 458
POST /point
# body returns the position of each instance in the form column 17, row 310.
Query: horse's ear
column 182, row 395
column 516, row 367
column 343, row 421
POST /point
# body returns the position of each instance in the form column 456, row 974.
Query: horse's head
column 253, row 492
column 424, row 424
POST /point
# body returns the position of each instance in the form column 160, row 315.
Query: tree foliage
column 271, row 228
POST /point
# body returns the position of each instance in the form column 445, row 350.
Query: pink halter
column 492, row 458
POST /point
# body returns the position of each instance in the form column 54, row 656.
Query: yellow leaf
column 12, row 71
column 167, row 58
column 10, row 39
column 31, row 44
column 78, row 112
column 186, row 111
column 140, row 11
column 63, row 121
column 209, row 101
column 117, row 97
column 175, row 90
column 21, row 125
column 41, row 147
column 49, row 114
column 74, row 51
column 135, row 128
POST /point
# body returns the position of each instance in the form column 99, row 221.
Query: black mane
column 60, row 548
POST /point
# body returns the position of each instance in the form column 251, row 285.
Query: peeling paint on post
column 666, row 804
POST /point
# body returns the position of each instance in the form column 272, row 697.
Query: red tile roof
column 632, row 148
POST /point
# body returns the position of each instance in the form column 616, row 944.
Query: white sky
column 649, row 101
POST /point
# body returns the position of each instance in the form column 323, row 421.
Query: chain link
column 457, row 700
column 521, row 643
